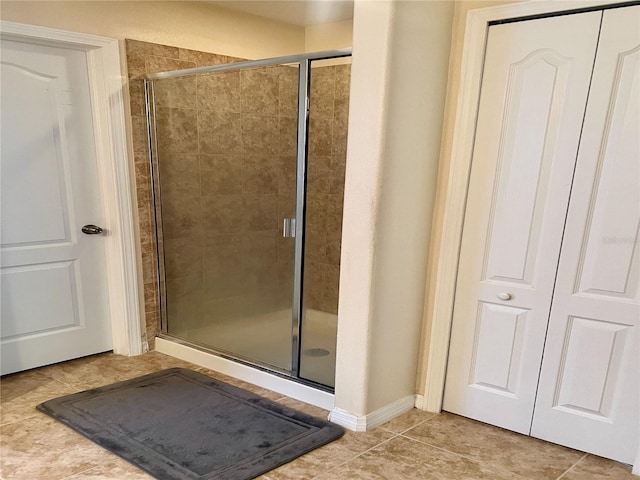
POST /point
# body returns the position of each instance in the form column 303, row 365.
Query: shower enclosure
column 248, row 163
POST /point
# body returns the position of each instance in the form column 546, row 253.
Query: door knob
column 504, row 296
column 92, row 230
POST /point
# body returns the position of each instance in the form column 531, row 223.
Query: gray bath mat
column 179, row 424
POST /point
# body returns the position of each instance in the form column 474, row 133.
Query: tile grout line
column 411, row 427
column 572, row 466
column 80, row 472
column 357, row 455
column 394, row 435
column 75, row 387
column 35, row 414
column 402, row 435
column 491, row 466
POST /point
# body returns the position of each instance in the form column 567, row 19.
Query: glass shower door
column 326, row 162
column 248, row 180
column 225, row 175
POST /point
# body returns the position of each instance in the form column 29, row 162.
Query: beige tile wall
column 227, row 145
column 329, row 112
column 144, row 58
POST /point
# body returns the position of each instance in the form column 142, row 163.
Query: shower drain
column 316, row 352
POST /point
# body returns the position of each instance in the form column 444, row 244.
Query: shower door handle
column 289, row 228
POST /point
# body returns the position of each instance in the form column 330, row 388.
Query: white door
column 53, row 280
column 588, row 396
column 535, row 86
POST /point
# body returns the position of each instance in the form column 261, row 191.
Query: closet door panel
column 588, row 395
column 534, row 91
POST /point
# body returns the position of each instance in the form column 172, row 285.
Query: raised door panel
column 498, row 348
column 57, row 287
column 589, row 374
column 533, row 95
column 32, row 169
column 532, row 117
column 608, row 264
column 589, row 383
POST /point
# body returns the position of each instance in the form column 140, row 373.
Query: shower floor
column 266, row 339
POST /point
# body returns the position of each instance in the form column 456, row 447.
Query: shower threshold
column 265, row 340
column 254, row 374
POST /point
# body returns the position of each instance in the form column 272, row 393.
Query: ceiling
column 295, row 12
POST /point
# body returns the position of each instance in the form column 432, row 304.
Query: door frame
column 439, row 320
column 106, row 91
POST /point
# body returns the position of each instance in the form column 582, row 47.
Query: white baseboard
column 362, row 423
column 420, row 403
column 248, row 374
column 348, row 420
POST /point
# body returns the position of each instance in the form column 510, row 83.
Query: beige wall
column 329, row 36
column 362, row 178
column 399, row 75
column 192, row 25
column 455, row 63
column 416, row 102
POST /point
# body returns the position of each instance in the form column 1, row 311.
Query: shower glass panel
column 225, row 178
column 248, row 165
column 327, row 148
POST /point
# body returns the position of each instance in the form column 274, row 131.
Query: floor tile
column 597, row 468
column 98, row 370
column 409, row 420
column 21, row 392
column 416, row 445
column 502, row 449
column 335, row 453
column 42, row 448
column 406, row 459
column 116, row 469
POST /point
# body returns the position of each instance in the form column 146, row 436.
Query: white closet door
column 533, row 97
column 588, row 395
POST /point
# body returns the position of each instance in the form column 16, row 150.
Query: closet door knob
column 504, row 296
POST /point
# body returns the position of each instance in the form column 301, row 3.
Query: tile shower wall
column 227, row 151
column 328, row 117
column 145, row 58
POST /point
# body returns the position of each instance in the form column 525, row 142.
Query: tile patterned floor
column 417, row 445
